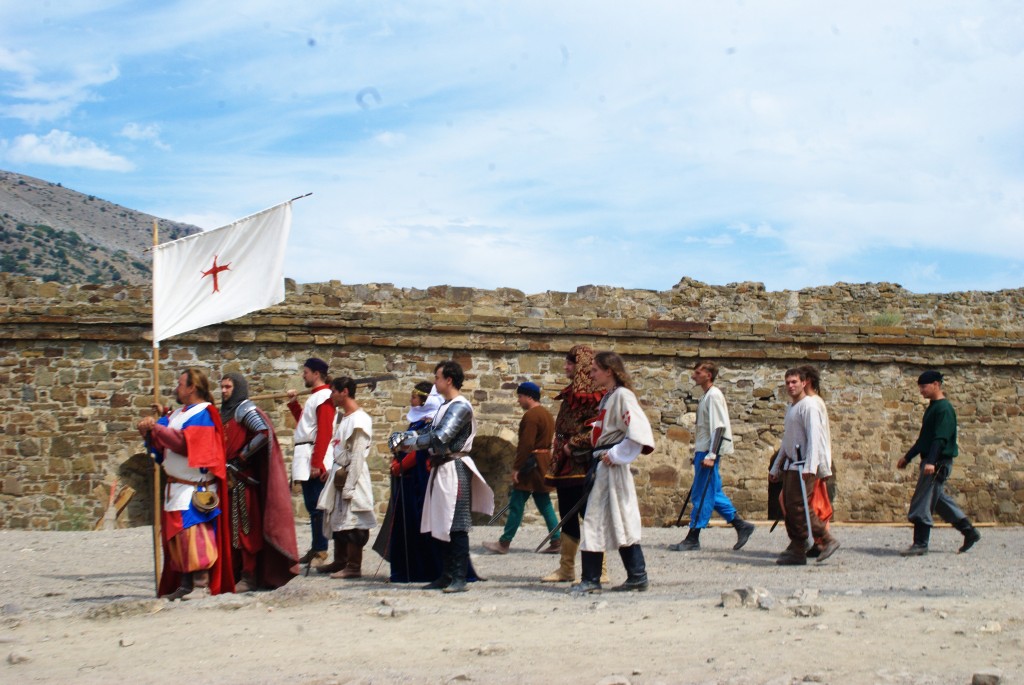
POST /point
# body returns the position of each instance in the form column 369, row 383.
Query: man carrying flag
column 189, row 445
column 200, row 280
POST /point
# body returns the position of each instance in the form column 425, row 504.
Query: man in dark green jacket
column 937, row 446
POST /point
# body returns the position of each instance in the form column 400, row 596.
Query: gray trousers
column 930, row 498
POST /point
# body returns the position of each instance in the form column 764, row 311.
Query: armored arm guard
column 247, row 415
column 449, row 435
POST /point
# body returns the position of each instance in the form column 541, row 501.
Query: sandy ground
column 78, row 608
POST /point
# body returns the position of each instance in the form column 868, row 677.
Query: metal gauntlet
column 451, row 433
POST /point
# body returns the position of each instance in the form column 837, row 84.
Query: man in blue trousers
column 706, row 491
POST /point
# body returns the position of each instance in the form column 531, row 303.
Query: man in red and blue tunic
column 189, row 444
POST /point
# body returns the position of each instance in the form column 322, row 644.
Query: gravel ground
column 78, row 607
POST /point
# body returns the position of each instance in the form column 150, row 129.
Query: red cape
column 279, row 560
column 209, row 446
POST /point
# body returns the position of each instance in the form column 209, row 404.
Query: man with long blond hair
column 189, row 444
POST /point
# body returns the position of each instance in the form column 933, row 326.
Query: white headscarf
column 427, row 409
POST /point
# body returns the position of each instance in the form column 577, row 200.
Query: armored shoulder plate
column 453, row 430
column 249, row 416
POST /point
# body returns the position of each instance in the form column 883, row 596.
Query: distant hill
column 58, row 234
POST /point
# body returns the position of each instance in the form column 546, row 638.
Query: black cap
column 929, row 376
column 316, row 364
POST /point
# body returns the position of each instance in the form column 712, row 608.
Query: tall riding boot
column 744, row 529
column 340, row 555
column 247, row 583
column 922, row 532
column 691, row 543
column 590, row 581
column 567, row 563
column 971, row 534
column 355, row 541
column 184, row 588
column 200, row 585
column 636, row 569
column 445, row 578
column 460, row 562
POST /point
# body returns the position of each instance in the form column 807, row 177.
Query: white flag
column 217, row 275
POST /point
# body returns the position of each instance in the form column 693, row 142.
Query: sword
column 570, row 514
column 716, row 445
column 502, row 510
column 530, row 465
column 237, row 473
column 803, row 494
column 774, row 507
column 583, row 500
column 381, row 544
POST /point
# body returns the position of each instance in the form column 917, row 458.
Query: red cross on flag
column 217, row 275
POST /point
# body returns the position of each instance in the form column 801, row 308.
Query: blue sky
column 542, row 145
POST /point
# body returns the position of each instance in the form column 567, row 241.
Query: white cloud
column 48, row 96
column 389, row 138
column 149, row 133
column 759, row 230
column 60, row 148
column 812, row 131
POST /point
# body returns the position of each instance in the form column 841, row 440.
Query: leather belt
column 194, row 483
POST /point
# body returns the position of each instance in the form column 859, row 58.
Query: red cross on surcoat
column 214, row 270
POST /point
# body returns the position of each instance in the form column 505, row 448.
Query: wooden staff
column 157, row 504
column 370, row 382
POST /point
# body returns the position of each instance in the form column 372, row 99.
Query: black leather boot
column 922, row 533
column 636, row 569
column 590, row 580
column 691, row 543
column 459, row 563
column 744, row 529
column 442, row 581
column 971, row 534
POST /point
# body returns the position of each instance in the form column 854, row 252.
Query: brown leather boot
column 200, row 586
column 340, row 555
column 183, row 589
column 247, row 583
column 566, row 572
column 354, row 568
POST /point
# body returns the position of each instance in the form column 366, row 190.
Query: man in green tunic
column 937, row 446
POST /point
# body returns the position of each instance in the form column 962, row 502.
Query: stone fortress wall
column 76, row 367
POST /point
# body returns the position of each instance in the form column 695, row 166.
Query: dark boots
column 590, row 576
column 636, row 569
column 354, row 541
column 691, row 543
column 445, row 579
column 970, row 533
column 459, row 563
column 744, row 529
column 184, row 588
column 340, row 555
column 922, row 533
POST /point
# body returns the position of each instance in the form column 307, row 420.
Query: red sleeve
column 165, row 437
column 324, row 431
column 409, row 462
column 205, row 445
column 296, row 409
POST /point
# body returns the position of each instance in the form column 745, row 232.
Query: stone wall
column 76, row 368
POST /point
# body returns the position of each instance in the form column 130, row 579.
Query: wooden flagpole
column 157, row 546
